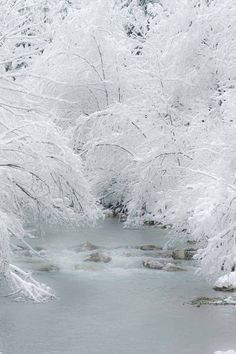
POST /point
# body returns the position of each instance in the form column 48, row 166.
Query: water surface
column 114, row 308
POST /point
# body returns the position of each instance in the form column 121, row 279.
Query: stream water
column 113, row 308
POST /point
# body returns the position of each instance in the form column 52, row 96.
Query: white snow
column 226, row 281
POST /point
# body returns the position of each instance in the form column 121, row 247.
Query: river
column 114, row 308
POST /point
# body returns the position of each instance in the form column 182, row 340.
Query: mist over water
column 113, row 308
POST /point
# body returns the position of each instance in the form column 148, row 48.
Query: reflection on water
column 112, row 308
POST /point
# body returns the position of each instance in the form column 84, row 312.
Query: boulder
column 224, row 288
column 150, row 248
column 83, row 247
column 226, row 283
column 49, row 268
column 152, row 264
column 170, row 267
column 184, row 254
column 98, row 257
column 203, row 300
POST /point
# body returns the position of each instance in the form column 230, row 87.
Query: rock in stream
column 152, row 264
column 203, row 300
column 98, row 257
column 150, row 248
column 84, row 247
column 155, row 264
column 185, row 254
column 170, row 267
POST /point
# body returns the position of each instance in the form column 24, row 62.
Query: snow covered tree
column 166, row 147
column 130, row 104
column 41, row 177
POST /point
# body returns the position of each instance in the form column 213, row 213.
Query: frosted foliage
column 130, row 104
column 41, row 177
column 166, row 151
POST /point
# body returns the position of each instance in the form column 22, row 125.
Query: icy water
column 114, row 308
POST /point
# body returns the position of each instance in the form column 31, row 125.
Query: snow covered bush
column 41, row 177
column 85, row 68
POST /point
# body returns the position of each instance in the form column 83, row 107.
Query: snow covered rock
column 83, row 247
column 150, row 248
column 152, row 264
column 48, row 268
column 226, row 282
column 185, row 254
column 98, row 257
column 155, row 264
column 170, row 267
column 203, row 300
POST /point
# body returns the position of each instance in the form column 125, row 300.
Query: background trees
column 164, row 151
column 130, row 104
